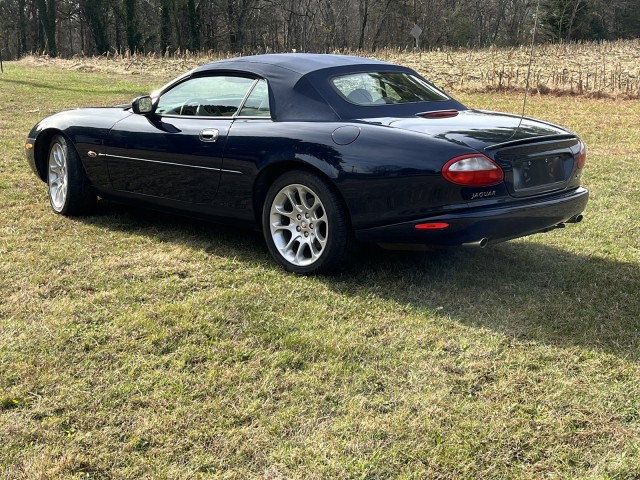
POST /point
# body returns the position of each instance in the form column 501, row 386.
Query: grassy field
column 140, row 345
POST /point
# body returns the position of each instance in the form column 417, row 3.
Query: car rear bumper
column 495, row 223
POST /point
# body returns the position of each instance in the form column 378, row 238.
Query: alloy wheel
column 299, row 225
column 58, row 177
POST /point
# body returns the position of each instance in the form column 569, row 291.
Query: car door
column 176, row 152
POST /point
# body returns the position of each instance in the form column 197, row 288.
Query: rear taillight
column 582, row 155
column 474, row 170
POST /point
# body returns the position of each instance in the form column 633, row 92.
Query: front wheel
column 305, row 224
column 70, row 192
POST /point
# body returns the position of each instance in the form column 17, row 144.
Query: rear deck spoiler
column 524, row 141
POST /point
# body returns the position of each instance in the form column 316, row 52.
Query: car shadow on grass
column 523, row 289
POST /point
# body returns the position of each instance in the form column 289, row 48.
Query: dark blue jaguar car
column 319, row 151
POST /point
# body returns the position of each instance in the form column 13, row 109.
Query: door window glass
column 215, row 96
column 257, row 105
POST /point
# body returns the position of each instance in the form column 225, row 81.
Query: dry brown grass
column 606, row 69
column 592, row 69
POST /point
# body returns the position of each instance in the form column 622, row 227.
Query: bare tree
column 47, row 17
column 67, row 27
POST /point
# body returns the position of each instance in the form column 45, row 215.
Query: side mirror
column 142, row 105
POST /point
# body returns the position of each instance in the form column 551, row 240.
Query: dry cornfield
column 603, row 69
column 594, row 69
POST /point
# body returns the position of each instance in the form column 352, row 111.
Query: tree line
column 164, row 27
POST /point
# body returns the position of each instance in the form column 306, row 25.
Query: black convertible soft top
column 299, row 86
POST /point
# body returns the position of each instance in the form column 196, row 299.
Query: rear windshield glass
column 380, row 88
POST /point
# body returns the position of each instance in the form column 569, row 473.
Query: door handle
column 209, row 134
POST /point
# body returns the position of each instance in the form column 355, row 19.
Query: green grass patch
column 140, row 345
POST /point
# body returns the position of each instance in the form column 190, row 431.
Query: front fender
column 86, row 129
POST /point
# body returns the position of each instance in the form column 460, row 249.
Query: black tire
column 313, row 236
column 70, row 192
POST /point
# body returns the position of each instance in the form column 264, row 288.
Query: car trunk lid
column 476, row 129
column 537, row 157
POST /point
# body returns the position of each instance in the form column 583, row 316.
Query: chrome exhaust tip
column 575, row 219
column 477, row 244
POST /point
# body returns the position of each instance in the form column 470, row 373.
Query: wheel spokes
column 62, row 191
column 304, row 199
column 57, row 178
column 298, row 224
column 292, row 200
column 285, row 213
column 300, row 256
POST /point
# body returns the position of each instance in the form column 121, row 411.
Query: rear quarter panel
column 392, row 175
column 384, row 175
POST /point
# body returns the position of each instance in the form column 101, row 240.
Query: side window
column 379, row 88
column 257, row 105
column 214, row 96
column 361, row 89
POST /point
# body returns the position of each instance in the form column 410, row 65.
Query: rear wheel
column 70, row 192
column 305, row 225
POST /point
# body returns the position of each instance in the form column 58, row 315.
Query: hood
column 479, row 129
column 100, row 117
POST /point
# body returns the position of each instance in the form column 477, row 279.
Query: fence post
column 1, row 66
